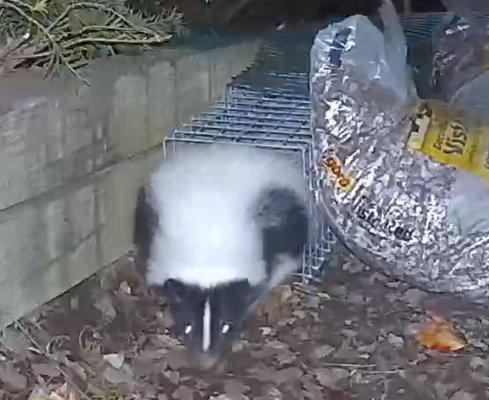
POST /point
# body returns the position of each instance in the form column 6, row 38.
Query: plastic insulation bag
column 460, row 46
column 386, row 184
column 461, row 59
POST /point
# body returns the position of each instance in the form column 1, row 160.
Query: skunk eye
column 225, row 328
column 188, row 329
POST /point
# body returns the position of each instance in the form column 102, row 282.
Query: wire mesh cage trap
column 271, row 121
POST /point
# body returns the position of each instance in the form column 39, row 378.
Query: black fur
column 145, row 224
column 283, row 218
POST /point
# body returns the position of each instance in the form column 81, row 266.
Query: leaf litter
column 336, row 340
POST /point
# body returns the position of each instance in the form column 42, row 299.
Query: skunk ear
column 174, row 290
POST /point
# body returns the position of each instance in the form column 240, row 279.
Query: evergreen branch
column 16, row 6
column 53, row 34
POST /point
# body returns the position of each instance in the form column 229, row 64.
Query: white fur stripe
column 206, row 336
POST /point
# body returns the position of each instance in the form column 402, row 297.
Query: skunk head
column 208, row 319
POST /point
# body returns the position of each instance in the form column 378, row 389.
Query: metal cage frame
column 271, row 120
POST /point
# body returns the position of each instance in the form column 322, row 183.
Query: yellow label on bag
column 451, row 138
column 335, row 169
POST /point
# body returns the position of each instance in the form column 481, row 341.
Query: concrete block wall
column 73, row 157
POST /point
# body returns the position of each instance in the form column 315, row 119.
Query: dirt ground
column 351, row 337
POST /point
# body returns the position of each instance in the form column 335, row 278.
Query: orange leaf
column 439, row 335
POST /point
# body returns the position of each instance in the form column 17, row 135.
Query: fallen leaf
column 77, row 369
column 116, row 360
column 266, row 352
column 270, row 374
column 414, row 297
column 237, row 347
column 329, row 377
column 15, row 341
column 337, row 395
column 227, row 397
column 356, row 299
column 345, row 352
column 12, row 378
column 367, row 348
column 106, row 308
column 234, row 388
column 61, row 393
column 439, row 335
column 116, row 376
column 441, row 390
column 393, row 284
column 285, row 358
column 395, row 340
column 38, row 394
column 322, row 351
column 177, row 359
column 265, row 330
column 183, row 393
column 48, row 370
column 462, row 395
column 274, row 394
column 477, row 362
column 299, row 314
column 173, row 376
column 125, row 288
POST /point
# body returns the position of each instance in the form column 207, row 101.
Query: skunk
column 217, row 228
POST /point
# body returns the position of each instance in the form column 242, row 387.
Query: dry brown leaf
column 266, row 330
column 266, row 352
column 183, row 393
column 173, row 376
column 117, row 377
column 62, row 393
column 322, row 351
column 285, row 357
column 274, row 394
column 330, row 377
column 38, row 394
column 105, row 306
column 462, row 395
column 439, row 335
column 414, row 297
column 15, row 341
column 45, row 369
column 279, row 377
column 337, row 395
column 146, row 362
column 177, row 359
column 12, row 378
column 235, row 389
column 77, row 369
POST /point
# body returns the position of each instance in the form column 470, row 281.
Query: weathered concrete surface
column 72, row 158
